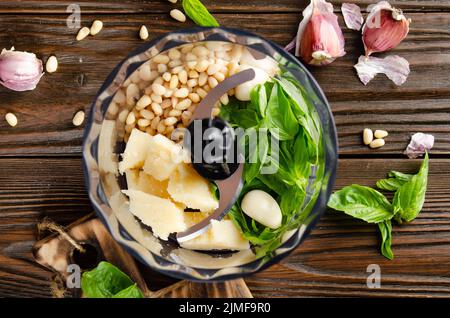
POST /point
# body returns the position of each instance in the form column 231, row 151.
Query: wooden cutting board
column 55, row 252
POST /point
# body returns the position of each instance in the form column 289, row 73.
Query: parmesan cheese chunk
column 162, row 157
column 162, row 215
column 188, row 187
column 135, row 151
column 222, row 235
column 139, row 180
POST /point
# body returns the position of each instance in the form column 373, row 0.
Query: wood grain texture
column 162, row 6
column 45, row 114
column 331, row 262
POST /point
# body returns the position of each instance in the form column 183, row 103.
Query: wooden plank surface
column 34, row 183
column 331, row 262
column 45, row 114
column 215, row 6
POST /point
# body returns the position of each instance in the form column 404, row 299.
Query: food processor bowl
column 104, row 141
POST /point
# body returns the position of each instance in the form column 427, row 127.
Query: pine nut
column 219, row 76
column 167, row 76
column 166, row 103
column 173, row 1
column 173, row 82
column 367, row 136
column 174, row 101
column 215, row 112
column 187, row 48
column 157, row 109
column 161, row 127
column 78, row 119
column 174, row 54
column 147, row 114
column 201, row 92
column 186, row 115
column 377, row 143
column 200, row 51
column 161, row 59
column 224, row 99
column 190, row 57
column 120, row 97
column 143, row 122
column 182, row 77
column 184, row 104
column 11, row 119
column 96, row 27
column 132, row 92
column 178, row 15
column 113, row 109
column 83, row 33
column 202, row 66
column 158, row 89
column 146, row 73
column 143, row 33
column 192, row 83
column 155, row 122
column 166, row 113
column 181, row 93
column 174, row 63
column 213, row 68
column 156, row 98
column 175, row 113
column 162, row 68
column 191, row 64
column 193, row 74
column 202, row 79
column 170, row 121
column 52, row 64
column 212, row 82
column 177, row 69
column 123, row 116
column 194, row 97
column 159, row 80
column 131, row 118
column 168, row 93
column 380, row 134
column 143, row 102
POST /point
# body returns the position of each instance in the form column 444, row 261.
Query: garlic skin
column 20, row 71
column 384, row 29
column 319, row 38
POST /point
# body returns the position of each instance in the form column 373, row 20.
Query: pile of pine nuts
column 163, row 93
column 378, row 141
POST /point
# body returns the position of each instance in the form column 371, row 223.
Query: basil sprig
column 369, row 205
column 199, row 14
column 107, row 281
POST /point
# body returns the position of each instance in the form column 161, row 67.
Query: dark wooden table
column 40, row 158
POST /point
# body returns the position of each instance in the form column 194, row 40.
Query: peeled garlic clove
column 242, row 91
column 384, row 29
column 20, row 71
column 262, row 207
column 319, row 38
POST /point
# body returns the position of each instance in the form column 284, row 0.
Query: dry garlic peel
column 396, row 68
column 319, row 38
column 352, row 16
column 20, row 71
column 384, row 29
column 420, row 143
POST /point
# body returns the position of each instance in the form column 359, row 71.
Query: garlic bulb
column 319, row 38
column 20, row 71
column 384, row 29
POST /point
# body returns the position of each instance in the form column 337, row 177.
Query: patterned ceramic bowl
column 104, row 183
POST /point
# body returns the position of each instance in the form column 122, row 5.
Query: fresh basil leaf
column 130, row 292
column 282, row 122
column 273, row 182
column 256, row 159
column 198, row 13
column 362, row 203
column 291, row 201
column 396, row 180
column 295, row 96
column 104, row 281
column 245, row 118
column 386, row 239
column 258, row 97
column 214, row 190
column 410, row 197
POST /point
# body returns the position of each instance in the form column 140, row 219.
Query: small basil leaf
column 282, row 122
column 396, row 180
column 400, row 175
column 130, row 292
column 295, row 96
column 386, row 239
column 410, row 197
column 256, row 159
column 258, row 97
column 362, row 203
column 199, row 14
column 245, row 118
column 104, row 281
